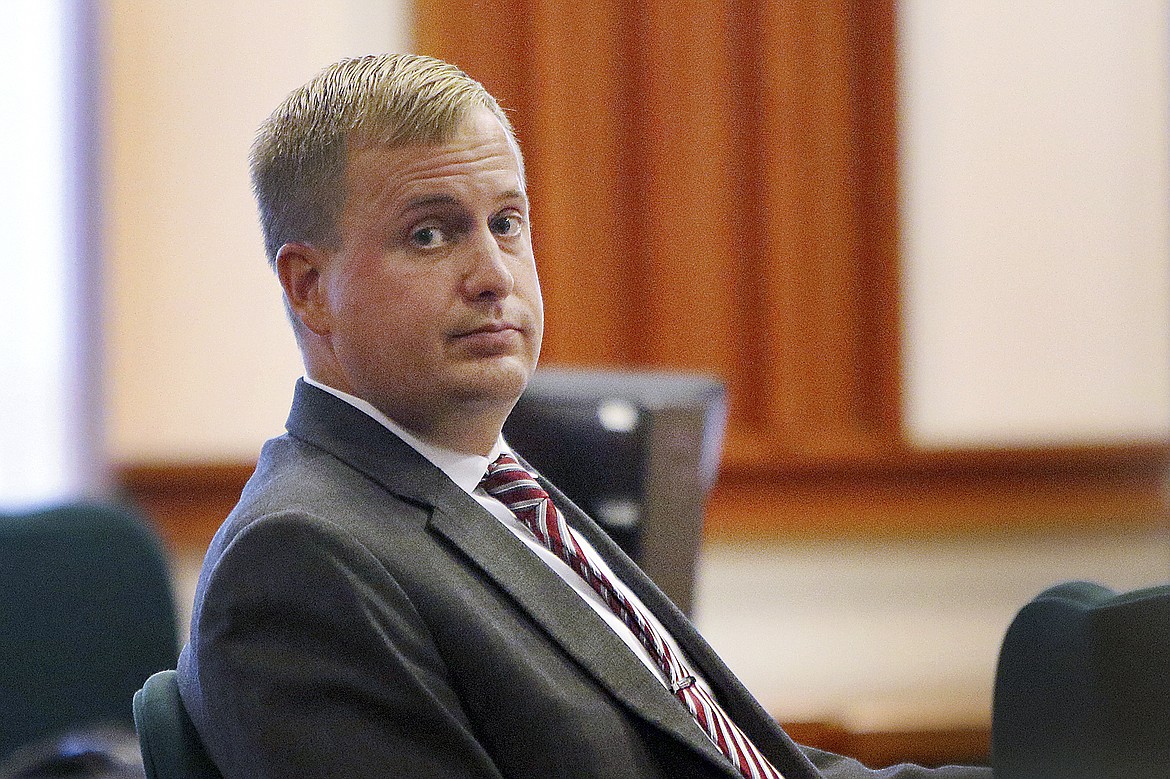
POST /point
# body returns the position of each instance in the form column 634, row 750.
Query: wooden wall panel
column 581, row 201
column 701, row 176
column 686, row 230
column 811, row 271
column 874, row 179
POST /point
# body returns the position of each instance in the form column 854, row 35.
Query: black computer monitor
column 639, row 451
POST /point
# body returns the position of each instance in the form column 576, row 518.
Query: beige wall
column 1036, row 220
column 200, row 362
column 1036, row 206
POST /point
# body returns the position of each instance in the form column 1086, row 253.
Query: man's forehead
column 482, row 160
column 381, row 195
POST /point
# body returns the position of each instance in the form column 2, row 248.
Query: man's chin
column 496, row 381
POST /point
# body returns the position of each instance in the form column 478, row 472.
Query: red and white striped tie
column 508, row 481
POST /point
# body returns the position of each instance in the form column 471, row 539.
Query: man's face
column 433, row 301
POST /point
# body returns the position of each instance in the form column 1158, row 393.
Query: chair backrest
column 637, row 450
column 171, row 747
column 1082, row 690
column 86, row 615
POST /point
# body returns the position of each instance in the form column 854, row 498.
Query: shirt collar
column 466, row 470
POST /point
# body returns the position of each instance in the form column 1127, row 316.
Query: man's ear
column 300, row 268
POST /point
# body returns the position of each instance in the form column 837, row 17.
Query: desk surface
column 893, row 635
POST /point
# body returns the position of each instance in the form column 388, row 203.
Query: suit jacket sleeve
column 344, row 683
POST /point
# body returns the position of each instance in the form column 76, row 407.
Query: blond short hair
column 299, row 156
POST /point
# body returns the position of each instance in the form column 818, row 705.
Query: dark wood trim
column 910, row 493
column 184, row 481
column 1146, row 458
column 931, row 748
column 185, row 501
column 915, row 493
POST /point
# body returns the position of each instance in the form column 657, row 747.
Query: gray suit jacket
column 360, row 615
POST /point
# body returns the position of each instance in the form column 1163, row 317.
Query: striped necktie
column 509, row 482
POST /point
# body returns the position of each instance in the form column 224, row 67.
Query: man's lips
column 490, row 339
column 489, row 329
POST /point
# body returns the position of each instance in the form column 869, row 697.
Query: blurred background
column 925, row 245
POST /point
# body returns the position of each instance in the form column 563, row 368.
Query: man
column 375, row 606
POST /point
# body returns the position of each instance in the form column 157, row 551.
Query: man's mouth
column 490, row 338
column 489, row 328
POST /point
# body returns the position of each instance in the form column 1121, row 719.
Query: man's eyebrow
column 429, row 201
column 426, row 201
column 514, row 194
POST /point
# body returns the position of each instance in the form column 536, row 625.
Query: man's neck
column 464, row 433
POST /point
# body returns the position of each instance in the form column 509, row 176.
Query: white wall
column 43, row 413
column 1036, row 220
column 201, row 362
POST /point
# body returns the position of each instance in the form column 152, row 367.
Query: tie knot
column 511, row 483
column 505, row 462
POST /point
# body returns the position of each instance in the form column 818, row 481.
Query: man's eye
column 427, row 237
column 507, row 225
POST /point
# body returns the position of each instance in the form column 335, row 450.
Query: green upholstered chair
column 86, row 615
column 1082, row 690
column 171, row 748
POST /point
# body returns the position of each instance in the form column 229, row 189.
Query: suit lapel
column 353, row 437
column 553, row 605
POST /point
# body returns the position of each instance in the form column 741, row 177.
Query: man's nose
column 488, row 274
